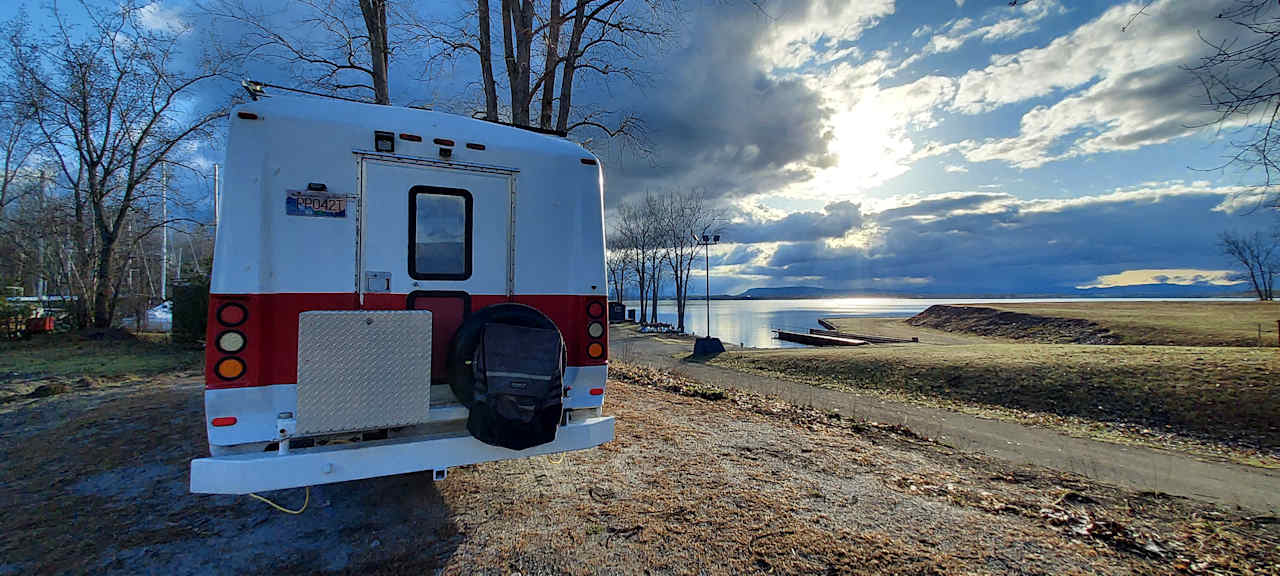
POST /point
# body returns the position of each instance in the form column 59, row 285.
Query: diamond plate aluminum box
column 362, row 370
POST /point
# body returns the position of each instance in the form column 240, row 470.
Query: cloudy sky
column 946, row 147
column 949, row 147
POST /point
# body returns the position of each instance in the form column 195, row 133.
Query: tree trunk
column 643, row 288
column 679, row 305
column 657, row 284
column 570, row 64
column 549, row 64
column 486, row 63
column 509, row 52
column 375, row 20
column 102, row 292
column 517, row 32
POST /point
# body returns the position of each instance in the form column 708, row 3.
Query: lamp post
column 707, row 345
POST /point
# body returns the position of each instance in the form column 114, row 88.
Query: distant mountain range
column 1137, row 291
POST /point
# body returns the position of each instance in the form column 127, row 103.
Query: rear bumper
column 260, row 472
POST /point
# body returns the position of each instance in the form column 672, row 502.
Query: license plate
column 299, row 203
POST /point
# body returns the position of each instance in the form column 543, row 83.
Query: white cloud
column 801, row 29
column 156, row 16
column 1179, row 276
column 1135, row 93
column 1004, row 23
column 955, row 168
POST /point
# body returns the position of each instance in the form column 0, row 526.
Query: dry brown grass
column 1230, row 394
column 1168, row 323
column 740, row 484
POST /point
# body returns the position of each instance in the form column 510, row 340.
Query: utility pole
column 164, row 229
column 217, row 198
column 41, row 280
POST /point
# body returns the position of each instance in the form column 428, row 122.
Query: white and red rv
column 398, row 290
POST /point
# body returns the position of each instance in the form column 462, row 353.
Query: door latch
column 377, row 281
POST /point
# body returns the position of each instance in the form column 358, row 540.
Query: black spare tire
column 468, row 337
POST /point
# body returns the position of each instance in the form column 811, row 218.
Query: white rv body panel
column 536, row 234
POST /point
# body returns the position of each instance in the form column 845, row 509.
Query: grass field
column 1228, row 394
column 1168, row 323
column 68, row 355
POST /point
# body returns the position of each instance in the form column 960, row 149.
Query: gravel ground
column 699, row 480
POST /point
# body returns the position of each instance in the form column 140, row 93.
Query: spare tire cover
column 468, row 337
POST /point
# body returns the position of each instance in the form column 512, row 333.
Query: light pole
column 707, row 241
column 707, row 344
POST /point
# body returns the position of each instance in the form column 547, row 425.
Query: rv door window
column 439, row 233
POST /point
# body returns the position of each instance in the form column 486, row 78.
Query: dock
column 870, row 339
column 817, row 339
column 830, row 330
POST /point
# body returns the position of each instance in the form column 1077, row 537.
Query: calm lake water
column 750, row 322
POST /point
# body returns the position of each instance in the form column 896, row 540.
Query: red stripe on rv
column 271, row 330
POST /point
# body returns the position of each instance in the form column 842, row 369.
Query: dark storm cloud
column 1024, row 247
column 836, row 219
column 717, row 120
column 739, row 254
column 944, row 204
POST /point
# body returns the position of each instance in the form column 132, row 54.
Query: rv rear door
column 432, row 237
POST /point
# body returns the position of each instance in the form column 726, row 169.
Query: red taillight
column 232, row 314
column 597, row 391
column 595, row 309
column 224, row 421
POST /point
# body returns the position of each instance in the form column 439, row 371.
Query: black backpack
column 517, row 386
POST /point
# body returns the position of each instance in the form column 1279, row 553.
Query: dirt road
column 95, row 481
column 1130, row 466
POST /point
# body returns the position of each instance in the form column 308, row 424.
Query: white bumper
column 260, row 472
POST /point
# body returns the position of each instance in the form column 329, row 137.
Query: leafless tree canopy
column 1241, row 81
column 658, row 235
column 109, row 103
column 1259, row 254
column 550, row 47
column 686, row 218
column 336, row 46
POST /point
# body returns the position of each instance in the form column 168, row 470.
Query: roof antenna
column 255, row 89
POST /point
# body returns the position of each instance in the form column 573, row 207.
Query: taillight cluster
column 230, row 341
column 595, row 330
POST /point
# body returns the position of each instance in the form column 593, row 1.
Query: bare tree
column 618, row 264
column 335, row 46
column 16, row 146
column 635, row 234
column 1259, row 254
column 685, row 218
column 111, row 103
column 1241, row 82
column 584, row 41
